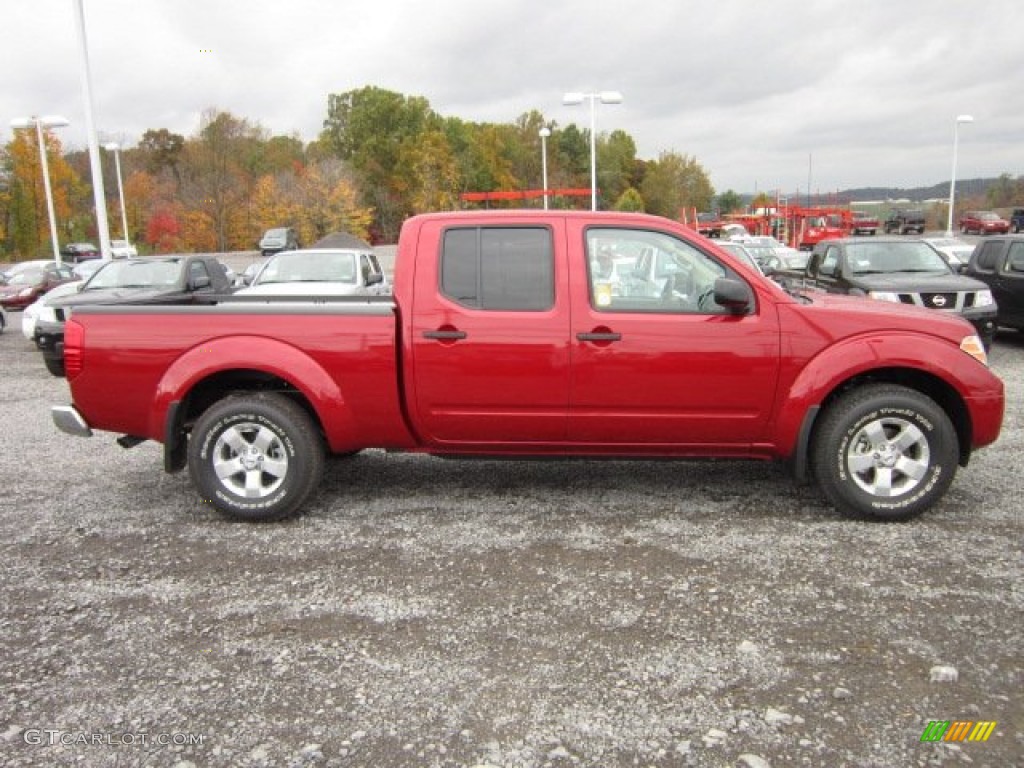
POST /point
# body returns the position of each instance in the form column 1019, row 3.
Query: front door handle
column 445, row 335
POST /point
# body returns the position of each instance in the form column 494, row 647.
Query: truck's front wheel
column 255, row 457
column 884, row 451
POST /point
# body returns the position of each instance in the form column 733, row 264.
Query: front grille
column 939, row 300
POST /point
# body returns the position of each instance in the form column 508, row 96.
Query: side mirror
column 374, row 278
column 199, row 282
column 733, row 294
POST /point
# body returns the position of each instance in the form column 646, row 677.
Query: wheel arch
column 931, row 372
column 205, row 375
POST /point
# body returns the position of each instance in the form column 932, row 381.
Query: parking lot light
column 952, row 178
column 605, row 97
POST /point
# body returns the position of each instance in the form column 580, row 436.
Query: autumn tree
column 162, row 151
column 28, row 227
column 216, row 182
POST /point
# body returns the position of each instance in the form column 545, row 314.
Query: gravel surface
column 459, row 613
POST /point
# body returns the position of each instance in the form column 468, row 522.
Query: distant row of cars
column 49, row 293
column 79, row 252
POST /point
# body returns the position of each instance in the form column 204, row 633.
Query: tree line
column 381, row 157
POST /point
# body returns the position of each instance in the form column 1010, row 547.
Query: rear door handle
column 599, row 336
column 444, row 335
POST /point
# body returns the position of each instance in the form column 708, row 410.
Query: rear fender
column 255, row 353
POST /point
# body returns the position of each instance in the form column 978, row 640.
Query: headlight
column 972, row 346
column 984, row 299
column 885, row 296
column 25, row 293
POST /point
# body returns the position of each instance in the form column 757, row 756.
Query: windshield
column 135, row 274
column 989, row 216
column 309, row 267
column 880, row 258
column 26, row 277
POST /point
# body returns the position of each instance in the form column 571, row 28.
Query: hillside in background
column 964, row 188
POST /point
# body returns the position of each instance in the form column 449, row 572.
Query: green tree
column 370, row 128
column 616, row 164
column 674, row 182
column 1005, row 192
column 729, row 202
column 630, row 200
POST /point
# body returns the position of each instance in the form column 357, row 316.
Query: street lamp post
column 48, row 121
column 952, row 178
column 605, row 97
column 116, row 149
column 544, row 133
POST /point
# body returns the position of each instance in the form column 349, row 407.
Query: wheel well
column 218, row 386
column 947, row 398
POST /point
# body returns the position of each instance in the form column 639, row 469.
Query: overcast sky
column 765, row 95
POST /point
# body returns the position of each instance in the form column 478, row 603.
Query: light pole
column 49, row 121
column 544, row 133
column 99, row 198
column 952, row 178
column 114, row 147
column 605, row 97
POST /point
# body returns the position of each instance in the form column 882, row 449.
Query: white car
column 955, row 251
column 122, row 249
column 41, row 309
column 319, row 272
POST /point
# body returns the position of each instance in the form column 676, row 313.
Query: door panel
column 489, row 336
column 654, row 364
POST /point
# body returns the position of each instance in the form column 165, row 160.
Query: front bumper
column 49, row 339
column 68, row 419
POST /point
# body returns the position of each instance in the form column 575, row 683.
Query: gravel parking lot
column 435, row 613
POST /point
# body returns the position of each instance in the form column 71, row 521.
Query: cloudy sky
column 766, row 95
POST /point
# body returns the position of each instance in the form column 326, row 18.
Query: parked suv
column 999, row 263
column 1017, row 220
column 904, row 222
column 278, row 239
column 984, row 223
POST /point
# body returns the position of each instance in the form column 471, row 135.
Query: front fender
column 254, row 353
column 891, row 355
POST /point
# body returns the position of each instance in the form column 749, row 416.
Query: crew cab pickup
column 505, row 337
column 904, row 222
column 906, row 272
column 999, row 263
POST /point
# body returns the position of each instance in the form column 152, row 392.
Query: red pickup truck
column 542, row 334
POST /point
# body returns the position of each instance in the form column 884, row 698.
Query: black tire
column 54, row 366
column 281, row 464
column 884, row 452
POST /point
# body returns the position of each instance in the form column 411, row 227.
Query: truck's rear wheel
column 256, row 456
column 886, row 452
